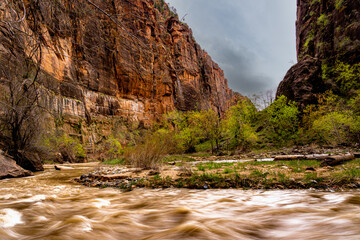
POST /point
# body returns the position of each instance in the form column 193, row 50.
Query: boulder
column 9, row 168
column 302, row 82
column 29, row 161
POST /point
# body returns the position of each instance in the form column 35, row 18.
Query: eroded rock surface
column 117, row 58
column 328, row 45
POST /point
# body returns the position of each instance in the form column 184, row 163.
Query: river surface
column 50, row 206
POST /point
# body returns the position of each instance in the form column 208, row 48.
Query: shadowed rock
column 29, row 161
column 327, row 34
column 9, row 168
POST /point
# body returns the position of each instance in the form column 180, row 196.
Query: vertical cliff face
column 328, row 49
column 116, row 57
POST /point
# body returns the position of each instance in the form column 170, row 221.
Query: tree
column 283, row 121
column 333, row 120
column 209, row 127
column 21, row 114
column 239, row 125
column 263, row 100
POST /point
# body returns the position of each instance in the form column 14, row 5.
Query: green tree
column 238, row 125
column 334, row 127
column 207, row 123
column 333, row 120
column 283, row 121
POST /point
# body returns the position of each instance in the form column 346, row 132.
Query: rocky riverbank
column 266, row 173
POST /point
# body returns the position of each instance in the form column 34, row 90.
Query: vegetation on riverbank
column 295, row 174
column 334, row 121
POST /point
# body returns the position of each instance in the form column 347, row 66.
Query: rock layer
column 122, row 58
column 328, row 47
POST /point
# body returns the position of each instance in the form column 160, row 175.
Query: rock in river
column 9, row 168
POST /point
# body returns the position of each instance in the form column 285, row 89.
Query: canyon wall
column 128, row 59
column 328, row 50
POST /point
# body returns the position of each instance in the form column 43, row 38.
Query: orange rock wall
column 122, row 58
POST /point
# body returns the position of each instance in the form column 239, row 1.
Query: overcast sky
column 253, row 41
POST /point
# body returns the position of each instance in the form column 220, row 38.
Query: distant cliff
column 132, row 59
column 328, row 49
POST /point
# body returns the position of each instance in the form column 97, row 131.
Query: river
column 50, row 206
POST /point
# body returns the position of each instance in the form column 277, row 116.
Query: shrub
column 147, row 155
column 113, row 148
column 334, row 127
column 347, row 76
column 283, row 121
column 70, row 149
column 333, row 120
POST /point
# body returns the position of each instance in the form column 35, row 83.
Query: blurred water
column 50, row 206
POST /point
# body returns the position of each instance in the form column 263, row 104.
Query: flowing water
column 50, row 206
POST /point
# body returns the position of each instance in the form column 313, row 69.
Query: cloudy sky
column 253, row 41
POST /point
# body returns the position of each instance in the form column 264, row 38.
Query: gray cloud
column 252, row 41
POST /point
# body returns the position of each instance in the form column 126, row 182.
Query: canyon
column 133, row 60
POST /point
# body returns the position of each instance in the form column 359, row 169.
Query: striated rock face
column 117, row 58
column 328, row 49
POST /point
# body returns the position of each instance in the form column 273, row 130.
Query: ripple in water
column 9, row 218
column 50, row 206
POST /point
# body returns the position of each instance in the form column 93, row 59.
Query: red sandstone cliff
column 114, row 57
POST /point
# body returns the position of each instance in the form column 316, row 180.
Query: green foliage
column 227, row 171
column 188, row 138
column 239, row 125
column 325, row 69
column 333, row 120
column 339, row 4
column 313, row 2
column 312, row 178
column 334, row 127
column 347, row 76
column 113, row 148
column 204, row 147
column 208, row 125
column 283, row 178
column 256, row 174
column 354, row 103
column 283, row 121
column 323, row 20
column 201, row 168
column 309, row 39
column 192, row 128
column 60, row 143
column 115, row 161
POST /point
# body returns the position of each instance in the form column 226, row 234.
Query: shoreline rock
column 9, row 168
